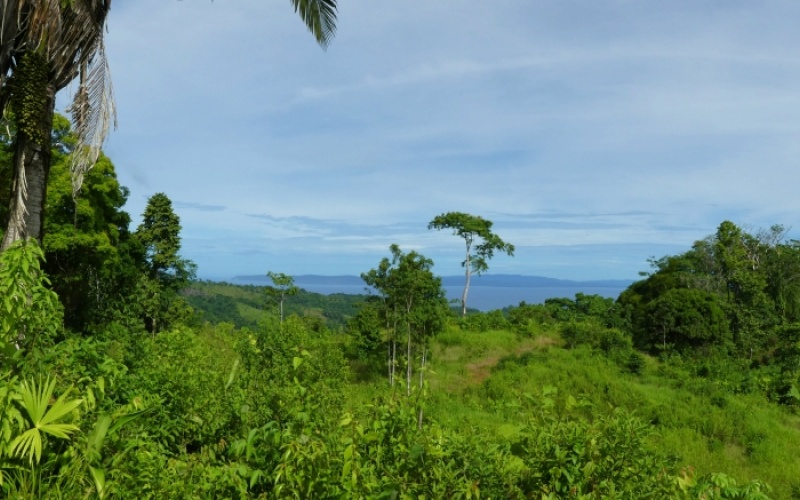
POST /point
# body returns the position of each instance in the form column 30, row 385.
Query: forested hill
column 495, row 280
column 245, row 305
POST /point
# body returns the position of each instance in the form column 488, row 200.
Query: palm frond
column 59, row 430
column 35, row 398
column 93, row 112
column 70, row 35
column 57, row 411
column 28, row 444
column 320, row 18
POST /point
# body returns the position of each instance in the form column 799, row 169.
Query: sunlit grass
column 699, row 424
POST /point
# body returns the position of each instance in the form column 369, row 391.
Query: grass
column 476, row 377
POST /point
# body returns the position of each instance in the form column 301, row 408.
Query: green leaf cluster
column 29, row 311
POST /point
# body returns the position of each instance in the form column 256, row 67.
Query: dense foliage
column 216, row 412
column 732, row 299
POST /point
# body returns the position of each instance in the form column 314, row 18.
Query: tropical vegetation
column 121, row 376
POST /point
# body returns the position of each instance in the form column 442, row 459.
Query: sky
column 594, row 134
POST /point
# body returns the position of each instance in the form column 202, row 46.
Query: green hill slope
column 483, row 379
column 245, row 305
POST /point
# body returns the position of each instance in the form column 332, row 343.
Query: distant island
column 493, row 280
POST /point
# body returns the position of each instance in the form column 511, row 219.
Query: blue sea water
column 488, row 298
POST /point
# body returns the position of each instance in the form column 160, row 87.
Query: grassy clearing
column 477, row 376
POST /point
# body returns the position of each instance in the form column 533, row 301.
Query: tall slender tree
column 91, row 258
column 282, row 286
column 480, row 241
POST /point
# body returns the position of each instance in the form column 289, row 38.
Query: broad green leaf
column 28, row 444
column 125, row 419
column 254, row 477
column 99, row 480
column 59, row 430
column 232, row 375
column 98, row 435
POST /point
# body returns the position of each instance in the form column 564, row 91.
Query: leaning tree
column 46, row 44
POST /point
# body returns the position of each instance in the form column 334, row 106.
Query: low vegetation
column 513, row 405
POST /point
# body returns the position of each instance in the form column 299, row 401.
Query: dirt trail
column 479, row 370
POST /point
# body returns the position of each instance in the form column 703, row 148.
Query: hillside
column 490, row 380
column 482, row 373
column 686, row 386
column 245, row 305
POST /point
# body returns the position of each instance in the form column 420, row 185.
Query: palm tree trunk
column 9, row 33
column 31, row 170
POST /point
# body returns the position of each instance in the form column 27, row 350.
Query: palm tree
column 44, row 45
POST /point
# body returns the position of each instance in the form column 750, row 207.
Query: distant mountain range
column 494, row 280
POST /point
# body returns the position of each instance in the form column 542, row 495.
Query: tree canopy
column 282, row 286
column 730, row 290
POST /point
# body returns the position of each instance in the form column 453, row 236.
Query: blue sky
column 594, row 134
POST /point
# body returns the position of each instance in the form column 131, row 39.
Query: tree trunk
column 464, row 295
column 468, row 267
column 421, row 380
column 389, row 362
column 9, row 34
column 31, row 170
column 408, row 363
column 422, row 368
column 394, row 361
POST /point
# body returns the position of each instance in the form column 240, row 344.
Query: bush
column 483, row 322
